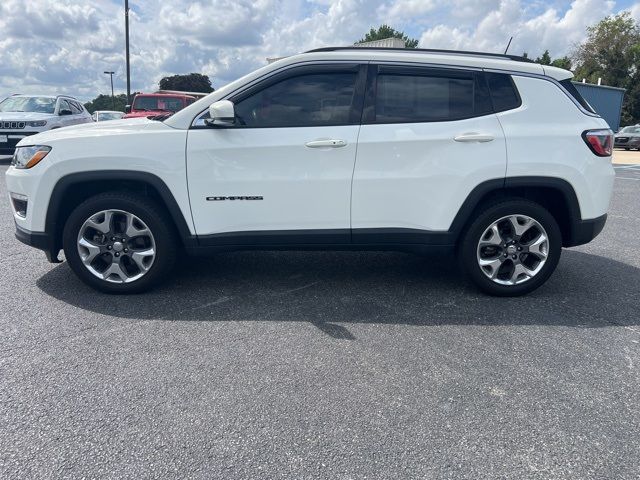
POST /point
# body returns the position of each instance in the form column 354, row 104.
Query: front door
column 282, row 174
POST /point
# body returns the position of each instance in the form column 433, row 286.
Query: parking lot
column 325, row 365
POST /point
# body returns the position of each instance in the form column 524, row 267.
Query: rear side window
column 504, row 94
column 416, row 97
column 573, row 91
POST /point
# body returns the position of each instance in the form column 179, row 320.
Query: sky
column 64, row 46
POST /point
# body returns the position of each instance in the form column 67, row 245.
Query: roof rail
column 515, row 58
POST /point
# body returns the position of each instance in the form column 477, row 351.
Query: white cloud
column 63, row 46
column 548, row 30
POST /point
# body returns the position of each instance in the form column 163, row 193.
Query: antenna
column 508, row 45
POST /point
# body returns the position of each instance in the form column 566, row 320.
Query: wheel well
column 555, row 200
column 70, row 196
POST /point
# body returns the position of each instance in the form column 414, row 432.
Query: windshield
column 28, row 104
column 172, row 104
column 109, row 116
column 630, row 130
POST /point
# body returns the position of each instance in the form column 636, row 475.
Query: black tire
column 627, row 149
column 468, row 246
column 146, row 210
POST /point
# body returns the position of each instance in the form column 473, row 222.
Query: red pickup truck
column 150, row 104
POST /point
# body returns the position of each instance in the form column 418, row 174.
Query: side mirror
column 127, row 109
column 222, row 114
column 65, row 111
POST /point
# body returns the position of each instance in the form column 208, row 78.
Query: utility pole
column 113, row 98
column 126, row 34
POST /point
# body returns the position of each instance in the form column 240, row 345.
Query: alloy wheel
column 513, row 249
column 116, row 246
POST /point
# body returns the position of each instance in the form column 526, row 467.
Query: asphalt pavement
column 325, row 365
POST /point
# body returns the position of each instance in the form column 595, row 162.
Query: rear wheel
column 119, row 243
column 511, row 248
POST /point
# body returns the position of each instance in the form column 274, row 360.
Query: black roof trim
column 515, row 58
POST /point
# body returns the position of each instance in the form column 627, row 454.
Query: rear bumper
column 40, row 240
column 586, row 230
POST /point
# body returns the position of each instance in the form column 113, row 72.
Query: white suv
column 492, row 156
column 25, row 115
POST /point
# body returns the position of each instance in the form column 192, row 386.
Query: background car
column 104, row 115
column 152, row 104
column 25, row 115
column 628, row 138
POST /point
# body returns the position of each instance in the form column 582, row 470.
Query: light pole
column 126, row 34
column 113, row 98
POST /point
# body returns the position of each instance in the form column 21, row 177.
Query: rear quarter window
column 504, row 94
column 573, row 91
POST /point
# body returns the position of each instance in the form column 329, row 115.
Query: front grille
column 7, row 148
column 12, row 125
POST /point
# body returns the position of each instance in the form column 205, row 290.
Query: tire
column 139, row 234
column 627, row 149
column 525, row 266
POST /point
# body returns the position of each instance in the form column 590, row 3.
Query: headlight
column 39, row 123
column 27, row 157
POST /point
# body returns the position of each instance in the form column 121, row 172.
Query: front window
column 170, row 104
column 110, row 116
column 316, row 99
column 28, row 104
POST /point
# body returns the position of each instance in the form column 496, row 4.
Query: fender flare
column 68, row 181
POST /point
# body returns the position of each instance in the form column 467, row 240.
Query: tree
column 104, row 102
column 545, row 59
column 385, row 31
column 612, row 52
column 192, row 82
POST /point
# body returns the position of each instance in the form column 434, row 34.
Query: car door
column 282, row 173
column 428, row 138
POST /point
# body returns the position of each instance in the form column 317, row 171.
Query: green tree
column 105, row 102
column 385, row 31
column 545, row 59
column 612, row 52
column 192, row 82
column 562, row 62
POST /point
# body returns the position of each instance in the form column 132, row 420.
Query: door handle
column 474, row 137
column 329, row 143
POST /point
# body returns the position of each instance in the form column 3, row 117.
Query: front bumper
column 41, row 241
column 9, row 147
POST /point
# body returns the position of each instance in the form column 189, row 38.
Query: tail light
column 599, row 141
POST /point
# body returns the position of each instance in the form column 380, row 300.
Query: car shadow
column 334, row 289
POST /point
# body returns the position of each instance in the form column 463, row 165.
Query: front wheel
column 119, row 243
column 511, row 248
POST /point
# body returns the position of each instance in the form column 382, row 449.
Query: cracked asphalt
column 325, row 365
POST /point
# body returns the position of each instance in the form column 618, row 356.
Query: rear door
column 429, row 137
column 282, row 174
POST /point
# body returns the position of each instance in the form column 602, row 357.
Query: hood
column 25, row 116
column 93, row 129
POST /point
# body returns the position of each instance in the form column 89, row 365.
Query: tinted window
column 573, row 91
column 307, row 100
column 408, row 98
column 503, row 92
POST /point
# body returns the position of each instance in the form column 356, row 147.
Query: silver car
column 628, row 138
